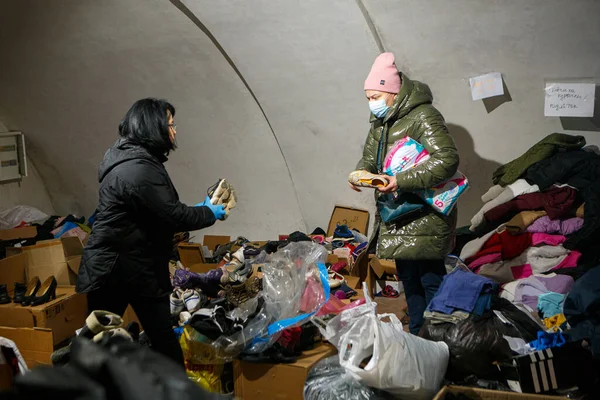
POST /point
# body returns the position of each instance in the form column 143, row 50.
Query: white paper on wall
column 488, row 85
column 569, row 99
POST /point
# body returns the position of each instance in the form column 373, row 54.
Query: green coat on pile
column 429, row 236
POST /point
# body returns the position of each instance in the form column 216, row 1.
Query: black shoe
column 20, row 289
column 32, row 288
column 134, row 330
column 4, row 297
column 46, row 292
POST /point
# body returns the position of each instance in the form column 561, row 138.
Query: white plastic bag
column 401, row 364
column 11, row 217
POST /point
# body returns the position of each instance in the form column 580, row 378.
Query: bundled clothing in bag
column 402, row 364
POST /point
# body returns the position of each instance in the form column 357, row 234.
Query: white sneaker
column 176, row 301
column 191, row 298
column 184, row 317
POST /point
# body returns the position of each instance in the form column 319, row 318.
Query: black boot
column 4, row 297
column 20, row 289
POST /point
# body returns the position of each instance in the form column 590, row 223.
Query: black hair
column 147, row 124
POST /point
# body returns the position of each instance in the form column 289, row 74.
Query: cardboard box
column 35, row 344
column 355, row 218
column 25, row 232
column 190, row 254
column 56, row 257
column 484, row 394
column 380, row 284
column 212, row 241
column 63, row 316
column 129, row 316
column 276, row 381
column 548, row 370
column 12, row 270
column 378, row 269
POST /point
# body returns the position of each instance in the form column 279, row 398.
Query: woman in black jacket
column 126, row 259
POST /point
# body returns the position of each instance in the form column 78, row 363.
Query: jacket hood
column 123, row 151
column 412, row 94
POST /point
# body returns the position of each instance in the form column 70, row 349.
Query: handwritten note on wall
column 488, row 85
column 569, row 99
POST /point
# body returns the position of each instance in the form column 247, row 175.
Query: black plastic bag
column 477, row 342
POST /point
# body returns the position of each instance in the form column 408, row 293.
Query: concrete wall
column 30, row 191
column 269, row 94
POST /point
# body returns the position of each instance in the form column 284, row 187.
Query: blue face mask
column 379, row 108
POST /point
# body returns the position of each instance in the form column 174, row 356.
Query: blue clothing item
column 343, row 232
column 65, row 228
column 548, row 340
column 483, row 304
column 178, row 331
column 421, row 280
column 551, row 304
column 460, row 290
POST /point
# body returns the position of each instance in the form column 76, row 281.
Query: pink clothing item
column 564, row 227
column 525, row 271
column 538, row 239
column 485, row 259
column 384, row 75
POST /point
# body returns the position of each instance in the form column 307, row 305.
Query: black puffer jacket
column 138, row 213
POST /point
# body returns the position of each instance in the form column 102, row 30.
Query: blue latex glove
column 217, row 210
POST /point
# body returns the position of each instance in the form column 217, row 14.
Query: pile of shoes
column 100, row 326
column 33, row 294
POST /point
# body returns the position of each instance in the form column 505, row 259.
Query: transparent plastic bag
column 328, row 380
column 11, row 217
column 293, row 274
column 295, row 287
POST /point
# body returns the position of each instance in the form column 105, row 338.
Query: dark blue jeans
column 421, row 280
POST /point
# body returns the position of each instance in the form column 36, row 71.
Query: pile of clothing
column 540, row 217
column 534, row 239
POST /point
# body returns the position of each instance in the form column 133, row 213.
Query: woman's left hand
column 391, row 187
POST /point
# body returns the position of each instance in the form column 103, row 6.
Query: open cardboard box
column 277, row 381
column 377, row 271
column 355, row 218
column 63, row 316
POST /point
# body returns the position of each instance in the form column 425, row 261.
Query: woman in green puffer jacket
column 401, row 107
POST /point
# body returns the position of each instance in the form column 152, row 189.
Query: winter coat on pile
column 138, row 213
column 581, row 170
column 430, row 235
column 545, row 148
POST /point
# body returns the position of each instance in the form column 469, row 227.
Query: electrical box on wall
column 13, row 161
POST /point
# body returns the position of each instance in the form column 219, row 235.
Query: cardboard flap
column 35, row 344
column 190, row 254
column 212, row 241
column 45, row 252
column 72, row 246
column 355, row 218
column 382, row 267
column 25, row 232
column 12, row 269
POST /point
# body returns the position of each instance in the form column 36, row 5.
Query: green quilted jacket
column 429, row 235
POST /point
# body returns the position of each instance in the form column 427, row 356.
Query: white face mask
column 379, row 108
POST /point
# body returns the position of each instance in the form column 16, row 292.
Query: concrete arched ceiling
column 268, row 93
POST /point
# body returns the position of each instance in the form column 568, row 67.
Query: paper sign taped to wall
column 488, row 85
column 569, row 99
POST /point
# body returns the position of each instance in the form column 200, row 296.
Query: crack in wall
column 196, row 21
column 371, row 25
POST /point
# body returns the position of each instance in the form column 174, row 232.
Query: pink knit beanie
column 384, row 75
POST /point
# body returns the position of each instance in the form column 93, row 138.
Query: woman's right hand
column 354, row 187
